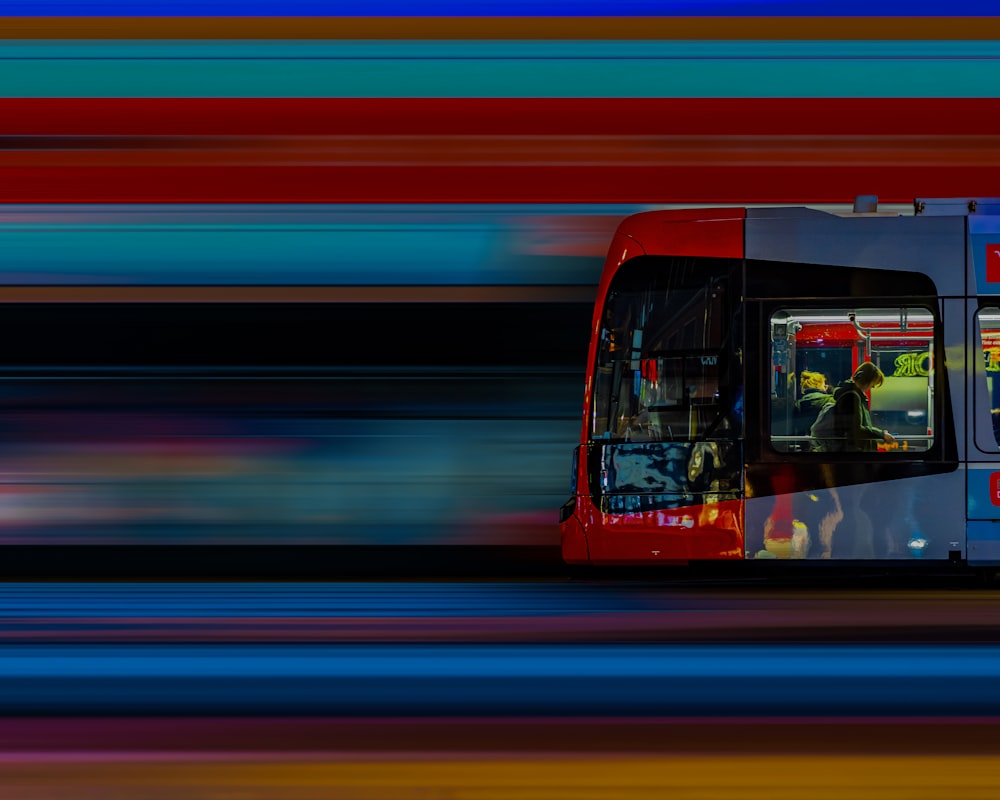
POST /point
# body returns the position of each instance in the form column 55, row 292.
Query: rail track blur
column 542, row 688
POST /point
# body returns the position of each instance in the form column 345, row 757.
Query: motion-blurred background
column 319, row 273
column 411, row 209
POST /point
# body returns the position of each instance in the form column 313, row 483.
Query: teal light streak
column 502, row 69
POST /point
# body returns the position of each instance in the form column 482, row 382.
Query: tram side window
column 814, row 355
column 989, row 331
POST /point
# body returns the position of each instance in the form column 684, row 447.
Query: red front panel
column 711, row 531
column 695, row 533
column 707, row 233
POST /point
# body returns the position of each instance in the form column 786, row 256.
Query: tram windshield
column 664, row 354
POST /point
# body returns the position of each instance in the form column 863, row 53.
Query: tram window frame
column 985, row 386
column 918, row 415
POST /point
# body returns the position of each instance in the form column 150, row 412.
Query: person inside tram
column 815, row 394
column 854, row 418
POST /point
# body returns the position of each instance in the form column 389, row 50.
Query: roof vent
column 865, row 204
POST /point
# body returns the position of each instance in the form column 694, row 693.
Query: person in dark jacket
column 815, row 395
column 854, row 418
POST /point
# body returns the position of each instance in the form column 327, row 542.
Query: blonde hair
column 812, row 380
column 867, row 374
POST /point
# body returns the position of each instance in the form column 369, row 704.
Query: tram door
column 984, row 432
column 983, row 391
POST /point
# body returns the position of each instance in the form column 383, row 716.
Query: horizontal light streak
column 464, row 612
column 963, row 669
column 541, row 758
column 550, row 69
column 296, row 294
column 862, row 8
column 544, row 183
column 483, row 150
column 462, row 254
column 434, row 736
column 596, row 28
column 498, row 679
column 499, row 51
column 373, row 460
column 596, row 776
column 499, row 116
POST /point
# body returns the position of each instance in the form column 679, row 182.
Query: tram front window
column 815, row 353
column 678, row 399
column 663, row 357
